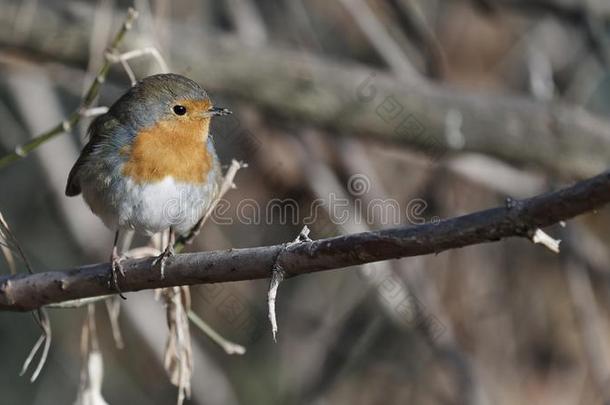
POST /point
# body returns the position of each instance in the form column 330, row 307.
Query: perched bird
column 150, row 163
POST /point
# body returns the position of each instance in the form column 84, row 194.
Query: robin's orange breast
column 175, row 148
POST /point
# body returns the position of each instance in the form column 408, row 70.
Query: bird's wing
column 96, row 136
column 73, row 185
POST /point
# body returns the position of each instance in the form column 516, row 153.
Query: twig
column 42, row 318
column 79, row 302
column 27, row 292
column 543, row 238
column 5, row 245
column 8, row 256
column 137, row 53
column 113, row 307
column 227, row 184
column 412, row 21
column 90, row 96
column 178, row 357
column 277, row 276
column 92, row 368
column 208, row 379
column 228, row 346
column 9, row 241
column 248, row 22
column 379, row 37
column 93, row 112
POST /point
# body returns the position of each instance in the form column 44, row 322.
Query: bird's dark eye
column 179, row 109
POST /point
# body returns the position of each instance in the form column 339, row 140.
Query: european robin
column 150, row 163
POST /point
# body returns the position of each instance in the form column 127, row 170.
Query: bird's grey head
column 156, row 98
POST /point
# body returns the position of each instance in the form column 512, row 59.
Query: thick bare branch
column 519, row 218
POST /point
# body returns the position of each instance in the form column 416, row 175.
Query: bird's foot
column 162, row 259
column 117, row 268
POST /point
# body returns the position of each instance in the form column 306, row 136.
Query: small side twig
column 178, row 357
column 379, row 37
column 543, row 238
column 9, row 243
column 123, row 59
column 277, row 276
column 113, row 307
column 92, row 369
column 94, row 112
column 42, row 318
column 227, row 184
column 228, row 346
column 79, row 302
column 5, row 247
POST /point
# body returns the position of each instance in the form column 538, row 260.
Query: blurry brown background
column 445, row 107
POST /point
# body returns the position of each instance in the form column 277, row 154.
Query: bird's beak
column 216, row 111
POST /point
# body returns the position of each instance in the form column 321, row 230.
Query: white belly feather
column 150, row 208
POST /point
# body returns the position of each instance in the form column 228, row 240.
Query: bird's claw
column 117, row 268
column 162, row 259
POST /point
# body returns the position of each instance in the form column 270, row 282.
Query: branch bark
column 519, row 218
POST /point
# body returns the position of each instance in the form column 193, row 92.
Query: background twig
column 86, row 103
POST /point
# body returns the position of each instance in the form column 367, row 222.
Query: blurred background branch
column 360, row 100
